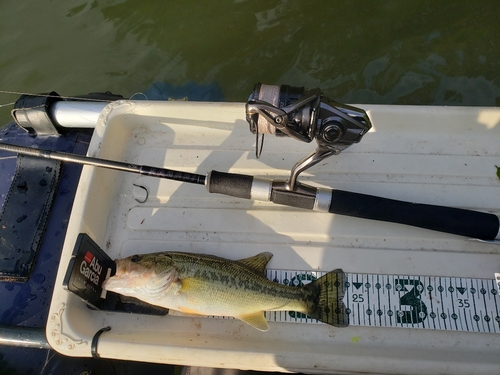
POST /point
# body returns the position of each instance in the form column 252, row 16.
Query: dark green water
column 392, row 52
column 398, row 52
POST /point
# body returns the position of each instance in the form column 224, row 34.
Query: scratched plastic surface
column 435, row 155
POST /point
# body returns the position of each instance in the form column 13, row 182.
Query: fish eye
column 135, row 258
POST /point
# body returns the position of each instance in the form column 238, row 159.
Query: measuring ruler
column 445, row 303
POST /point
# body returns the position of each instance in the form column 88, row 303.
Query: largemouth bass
column 208, row 285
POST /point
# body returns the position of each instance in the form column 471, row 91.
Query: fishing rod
column 306, row 116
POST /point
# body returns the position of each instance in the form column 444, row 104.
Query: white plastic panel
column 435, row 155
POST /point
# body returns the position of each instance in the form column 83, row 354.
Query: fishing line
column 7, row 104
column 138, row 93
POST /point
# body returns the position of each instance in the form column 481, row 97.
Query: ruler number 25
column 358, row 297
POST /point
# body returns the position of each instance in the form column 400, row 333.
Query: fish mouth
column 110, row 283
column 121, row 267
column 117, row 281
column 134, row 279
column 127, row 275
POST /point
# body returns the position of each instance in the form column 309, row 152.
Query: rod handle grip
column 233, row 184
column 473, row 224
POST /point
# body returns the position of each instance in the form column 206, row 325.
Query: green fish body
column 209, row 285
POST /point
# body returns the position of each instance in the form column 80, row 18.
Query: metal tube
column 77, row 114
column 27, row 337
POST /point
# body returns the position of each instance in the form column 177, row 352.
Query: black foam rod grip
column 462, row 222
column 235, row 185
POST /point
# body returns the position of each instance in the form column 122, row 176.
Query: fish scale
column 227, row 277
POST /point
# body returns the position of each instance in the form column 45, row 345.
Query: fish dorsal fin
column 257, row 263
column 256, row 320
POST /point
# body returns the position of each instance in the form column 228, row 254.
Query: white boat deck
column 436, row 155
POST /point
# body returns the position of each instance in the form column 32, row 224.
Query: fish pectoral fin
column 256, row 320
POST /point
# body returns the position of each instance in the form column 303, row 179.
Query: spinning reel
column 306, row 116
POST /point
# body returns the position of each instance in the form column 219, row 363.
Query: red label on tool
column 88, row 257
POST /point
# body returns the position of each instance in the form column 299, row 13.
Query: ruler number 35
column 463, row 303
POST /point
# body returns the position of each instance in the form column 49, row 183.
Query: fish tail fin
column 324, row 298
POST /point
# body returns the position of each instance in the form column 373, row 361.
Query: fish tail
column 324, row 299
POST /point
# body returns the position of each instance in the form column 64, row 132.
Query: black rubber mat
column 24, row 216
